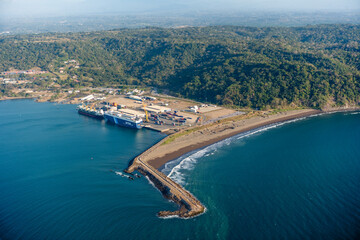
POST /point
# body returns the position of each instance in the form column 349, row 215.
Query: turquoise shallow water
column 300, row 180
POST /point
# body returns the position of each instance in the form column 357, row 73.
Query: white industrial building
column 87, row 98
column 157, row 109
column 132, row 112
column 133, row 97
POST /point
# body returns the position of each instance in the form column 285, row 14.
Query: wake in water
column 178, row 169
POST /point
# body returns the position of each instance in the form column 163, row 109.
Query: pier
column 189, row 205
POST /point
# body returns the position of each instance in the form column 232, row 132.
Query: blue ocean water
column 299, row 180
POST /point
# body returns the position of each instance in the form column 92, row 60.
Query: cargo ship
column 90, row 112
column 123, row 120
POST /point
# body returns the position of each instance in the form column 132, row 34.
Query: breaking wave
column 151, row 183
column 119, row 173
column 176, row 216
column 180, row 168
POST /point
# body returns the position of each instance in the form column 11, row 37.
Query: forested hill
column 243, row 66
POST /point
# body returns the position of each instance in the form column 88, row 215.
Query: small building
column 88, row 98
column 134, row 97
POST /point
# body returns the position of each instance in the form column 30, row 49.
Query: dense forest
column 241, row 66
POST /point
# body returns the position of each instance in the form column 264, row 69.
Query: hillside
column 242, row 66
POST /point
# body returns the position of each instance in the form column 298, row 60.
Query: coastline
column 170, row 156
column 166, row 155
column 16, row 98
column 198, row 137
column 186, row 141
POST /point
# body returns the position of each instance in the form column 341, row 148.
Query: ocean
column 58, row 180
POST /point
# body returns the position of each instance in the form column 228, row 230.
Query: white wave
column 169, row 217
column 338, row 111
column 123, row 175
column 173, row 216
column 187, row 163
column 176, row 216
column 177, row 170
column 120, row 173
column 152, row 184
column 265, row 128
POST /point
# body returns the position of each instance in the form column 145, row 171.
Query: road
column 193, row 206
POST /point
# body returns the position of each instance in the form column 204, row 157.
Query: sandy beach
column 164, row 151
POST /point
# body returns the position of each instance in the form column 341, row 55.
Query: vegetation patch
column 257, row 68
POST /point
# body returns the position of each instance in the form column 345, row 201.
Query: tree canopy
column 241, row 66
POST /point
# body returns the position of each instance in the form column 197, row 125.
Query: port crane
column 146, row 112
column 91, row 107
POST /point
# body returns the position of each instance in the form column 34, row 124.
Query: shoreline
column 16, row 98
column 198, row 137
column 168, row 158
column 161, row 161
column 166, row 150
column 189, row 205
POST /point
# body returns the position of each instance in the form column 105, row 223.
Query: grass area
column 248, row 115
column 172, row 137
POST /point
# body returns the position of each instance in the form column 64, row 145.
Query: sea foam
column 179, row 168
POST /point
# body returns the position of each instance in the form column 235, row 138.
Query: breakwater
column 189, row 205
column 165, row 150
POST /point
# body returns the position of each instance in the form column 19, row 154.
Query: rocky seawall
column 189, row 206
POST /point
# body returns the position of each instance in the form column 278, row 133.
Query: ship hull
column 90, row 115
column 122, row 122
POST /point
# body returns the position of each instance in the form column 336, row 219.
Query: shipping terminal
column 162, row 113
column 170, row 115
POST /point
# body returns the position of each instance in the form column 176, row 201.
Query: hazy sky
column 72, row 7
